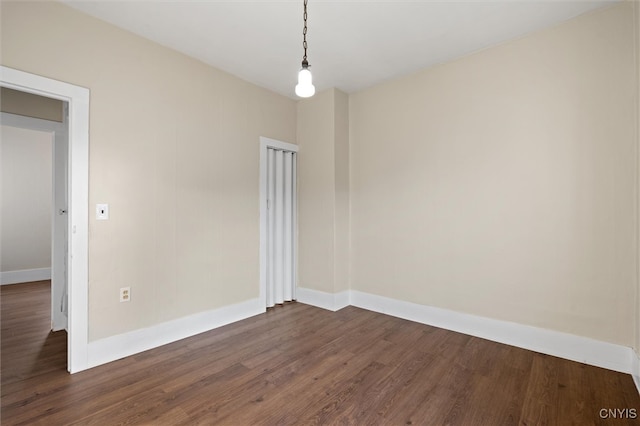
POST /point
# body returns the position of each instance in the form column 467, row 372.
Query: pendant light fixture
column 305, row 88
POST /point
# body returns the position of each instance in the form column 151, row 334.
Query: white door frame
column 58, row 236
column 265, row 144
column 78, row 101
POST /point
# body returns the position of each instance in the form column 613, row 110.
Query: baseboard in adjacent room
column 122, row 345
column 25, row 276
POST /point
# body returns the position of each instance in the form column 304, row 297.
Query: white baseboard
column 25, row 276
column 122, row 345
column 321, row 299
column 563, row 345
column 342, row 300
column 635, row 370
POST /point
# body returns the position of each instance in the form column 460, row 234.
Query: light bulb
column 305, row 88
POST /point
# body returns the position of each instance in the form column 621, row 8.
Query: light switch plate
column 102, row 211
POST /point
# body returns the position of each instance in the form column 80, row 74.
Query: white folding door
column 281, row 225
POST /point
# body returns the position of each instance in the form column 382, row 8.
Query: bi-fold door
column 280, row 226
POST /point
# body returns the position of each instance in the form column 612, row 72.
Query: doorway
column 34, row 196
column 278, row 222
column 77, row 99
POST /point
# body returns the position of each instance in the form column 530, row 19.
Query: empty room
column 320, row 212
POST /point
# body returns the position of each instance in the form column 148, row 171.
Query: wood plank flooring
column 298, row 364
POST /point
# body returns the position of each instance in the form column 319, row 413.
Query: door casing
column 77, row 99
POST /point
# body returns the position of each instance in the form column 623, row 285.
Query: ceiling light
column 305, row 88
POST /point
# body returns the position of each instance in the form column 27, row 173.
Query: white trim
column 25, row 276
column 31, row 123
column 78, row 99
column 122, row 345
column 266, row 143
column 563, row 345
column 276, row 144
column 341, row 300
column 635, row 368
column 324, row 300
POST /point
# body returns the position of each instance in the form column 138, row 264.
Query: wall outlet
column 125, row 294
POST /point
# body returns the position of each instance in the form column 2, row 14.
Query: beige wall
column 174, row 150
column 30, row 105
column 342, row 213
column 323, row 188
column 25, row 201
column 637, row 75
column 316, row 192
column 503, row 184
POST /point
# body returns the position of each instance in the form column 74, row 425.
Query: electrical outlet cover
column 125, row 294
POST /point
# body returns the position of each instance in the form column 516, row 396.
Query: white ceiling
column 353, row 44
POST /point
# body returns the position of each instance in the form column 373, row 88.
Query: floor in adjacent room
column 297, row 364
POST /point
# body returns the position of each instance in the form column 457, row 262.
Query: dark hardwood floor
column 298, row 364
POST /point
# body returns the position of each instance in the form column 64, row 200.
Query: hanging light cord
column 305, row 87
column 304, row 35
